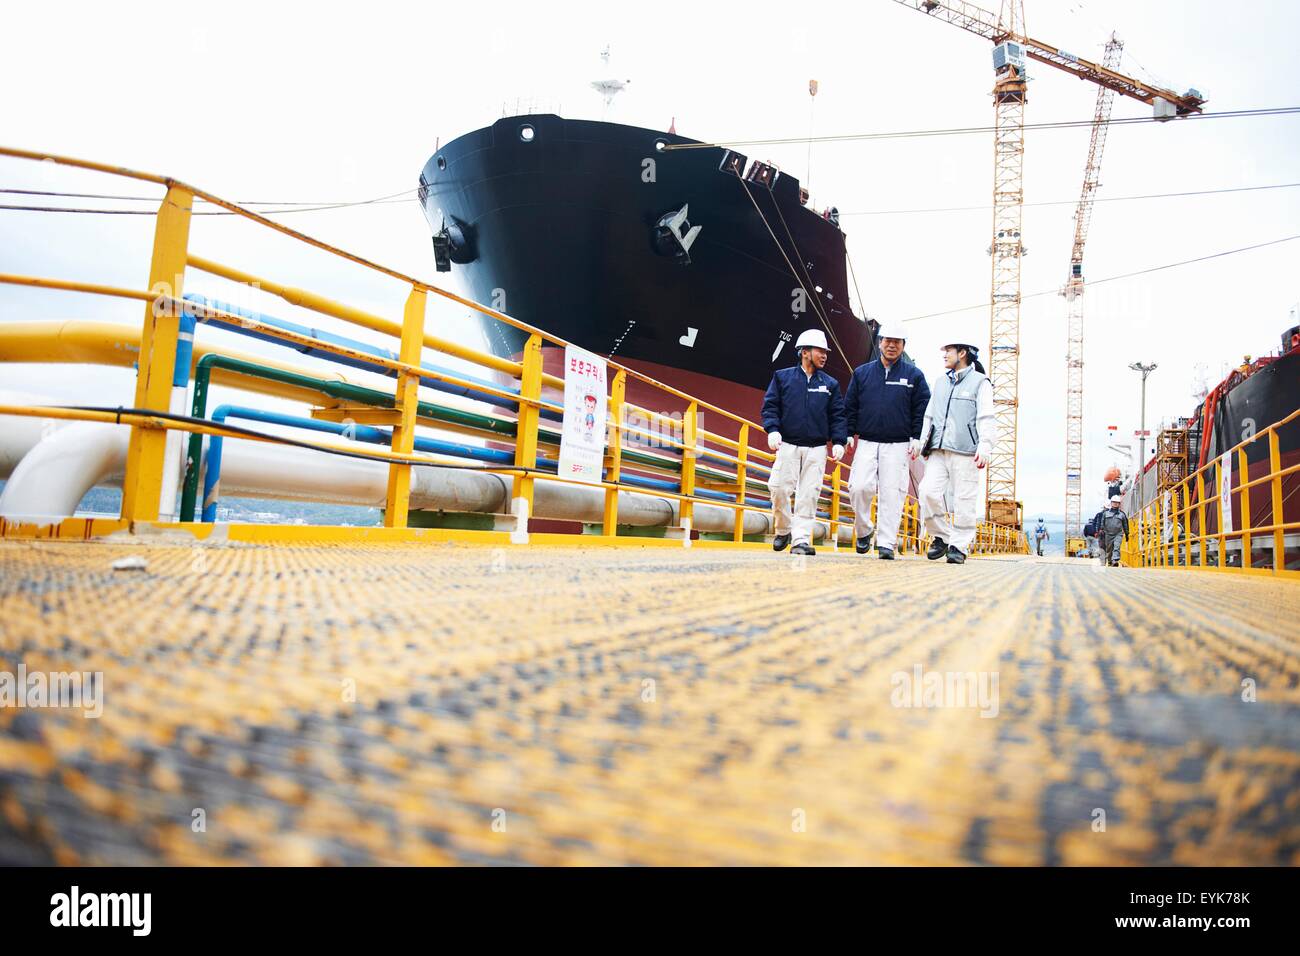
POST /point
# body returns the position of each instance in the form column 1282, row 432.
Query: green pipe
column 373, row 397
column 334, row 389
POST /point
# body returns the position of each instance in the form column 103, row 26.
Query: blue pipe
column 184, row 350
column 365, row 433
column 203, row 302
column 381, row 436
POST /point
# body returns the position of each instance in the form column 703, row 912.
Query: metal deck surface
column 427, row 704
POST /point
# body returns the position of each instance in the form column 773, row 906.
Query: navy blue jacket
column 806, row 411
column 886, row 405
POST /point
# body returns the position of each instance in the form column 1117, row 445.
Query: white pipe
column 19, row 434
column 174, row 458
column 55, row 475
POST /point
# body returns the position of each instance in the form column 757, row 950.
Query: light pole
column 1142, row 436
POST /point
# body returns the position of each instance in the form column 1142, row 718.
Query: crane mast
column 1073, row 292
column 1006, row 251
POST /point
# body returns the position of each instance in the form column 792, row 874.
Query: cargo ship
column 697, row 267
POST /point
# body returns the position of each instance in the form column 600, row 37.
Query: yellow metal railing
column 159, row 335
column 1188, row 526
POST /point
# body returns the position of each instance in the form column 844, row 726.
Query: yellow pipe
column 376, row 323
column 348, row 352
column 152, row 423
column 77, row 342
column 65, row 285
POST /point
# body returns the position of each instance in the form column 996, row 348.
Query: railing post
column 836, row 480
column 1275, row 469
column 690, row 437
column 742, row 453
column 397, row 504
column 530, row 387
column 614, row 457
column 143, row 482
column 1223, row 533
column 1200, row 519
column 1243, row 469
column 1186, row 487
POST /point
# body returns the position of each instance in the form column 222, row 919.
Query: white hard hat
column 1116, row 498
column 894, row 330
column 812, row 338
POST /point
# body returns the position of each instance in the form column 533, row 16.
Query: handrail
column 419, row 284
column 1179, row 536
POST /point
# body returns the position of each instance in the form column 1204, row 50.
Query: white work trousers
column 945, row 469
column 797, row 471
column 879, row 467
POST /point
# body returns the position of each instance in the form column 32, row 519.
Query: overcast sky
column 332, row 102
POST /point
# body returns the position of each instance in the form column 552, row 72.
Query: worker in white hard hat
column 802, row 411
column 885, row 409
column 1112, row 531
column 956, row 440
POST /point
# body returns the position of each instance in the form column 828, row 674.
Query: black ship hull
column 566, row 225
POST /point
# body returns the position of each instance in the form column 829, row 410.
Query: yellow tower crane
column 1073, row 292
column 1012, row 48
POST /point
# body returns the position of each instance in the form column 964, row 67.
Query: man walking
column 802, row 410
column 1040, row 535
column 885, row 409
column 959, row 430
column 1112, row 532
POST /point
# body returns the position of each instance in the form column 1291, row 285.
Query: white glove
column 913, row 448
column 982, row 455
column 773, row 440
column 852, row 442
column 837, row 452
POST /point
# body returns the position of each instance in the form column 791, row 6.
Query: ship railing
column 705, row 466
column 1230, row 515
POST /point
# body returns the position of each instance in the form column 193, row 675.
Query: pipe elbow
column 55, row 475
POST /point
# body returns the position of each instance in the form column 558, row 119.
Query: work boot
column 780, row 542
column 955, row 556
column 802, row 548
column 938, row 548
column 885, row 554
column 863, row 544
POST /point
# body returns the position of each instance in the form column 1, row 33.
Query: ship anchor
column 669, row 239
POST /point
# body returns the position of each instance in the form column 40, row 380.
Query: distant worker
column 802, row 410
column 885, row 408
column 1040, row 535
column 1090, row 533
column 1112, row 531
column 957, row 438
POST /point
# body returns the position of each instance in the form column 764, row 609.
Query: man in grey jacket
column 959, row 429
column 1112, row 531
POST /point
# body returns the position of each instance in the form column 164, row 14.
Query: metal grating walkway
column 563, row 705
